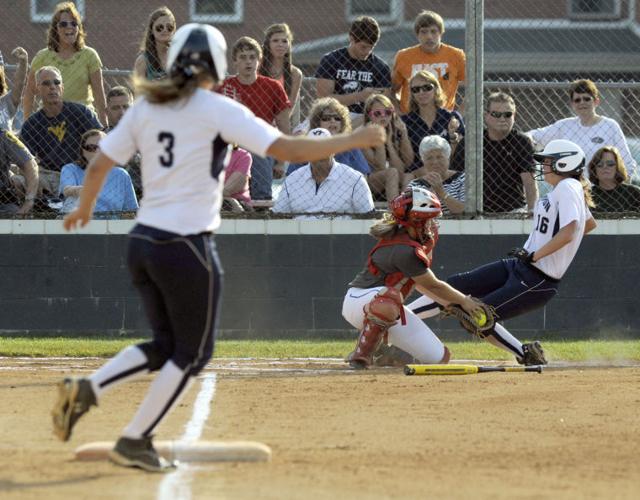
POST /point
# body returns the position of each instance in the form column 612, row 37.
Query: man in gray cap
column 324, row 186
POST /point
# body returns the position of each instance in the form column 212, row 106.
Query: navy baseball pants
column 509, row 285
column 179, row 279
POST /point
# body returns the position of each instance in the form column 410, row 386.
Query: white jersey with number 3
column 558, row 208
column 183, row 148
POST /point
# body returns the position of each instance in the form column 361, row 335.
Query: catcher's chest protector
column 399, row 280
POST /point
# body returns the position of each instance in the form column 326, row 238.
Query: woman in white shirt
column 587, row 129
column 183, row 132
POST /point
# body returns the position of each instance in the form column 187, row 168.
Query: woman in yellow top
column 79, row 65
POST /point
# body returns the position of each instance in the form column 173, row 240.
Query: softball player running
column 530, row 279
column 183, row 131
column 399, row 261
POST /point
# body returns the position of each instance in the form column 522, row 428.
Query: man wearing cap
column 323, row 187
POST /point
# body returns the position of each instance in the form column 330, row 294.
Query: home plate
column 189, row 451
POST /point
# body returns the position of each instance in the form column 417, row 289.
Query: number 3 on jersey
column 542, row 225
column 167, row 140
column 218, row 160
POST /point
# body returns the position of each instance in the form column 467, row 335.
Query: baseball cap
column 319, row 132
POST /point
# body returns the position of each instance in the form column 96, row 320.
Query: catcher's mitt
column 477, row 324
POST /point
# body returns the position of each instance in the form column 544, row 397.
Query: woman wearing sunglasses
column 152, row 59
column 611, row 190
column 79, row 65
column 329, row 114
column 388, row 161
column 117, row 194
column 588, row 129
column 427, row 116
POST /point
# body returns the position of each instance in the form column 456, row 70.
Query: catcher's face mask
column 540, row 170
column 424, row 229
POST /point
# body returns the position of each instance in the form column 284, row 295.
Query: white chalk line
column 279, row 367
column 177, row 485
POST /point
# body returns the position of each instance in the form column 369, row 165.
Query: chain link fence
column 528, row 53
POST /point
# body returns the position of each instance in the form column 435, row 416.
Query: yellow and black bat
column 465, row 369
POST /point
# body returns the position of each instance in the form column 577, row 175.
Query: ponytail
column 169, row 89
column 386, row 228
column 586, row 188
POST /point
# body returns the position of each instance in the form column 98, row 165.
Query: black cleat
column 140, row 453
column 357, row 364
column 533, row 354
column 75, row 398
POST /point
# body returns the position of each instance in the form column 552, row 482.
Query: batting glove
column 522, row 254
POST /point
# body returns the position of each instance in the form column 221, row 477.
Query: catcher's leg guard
column 380, row 315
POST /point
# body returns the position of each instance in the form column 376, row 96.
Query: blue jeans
column 261, row 178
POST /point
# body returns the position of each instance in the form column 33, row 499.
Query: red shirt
column 265, row 97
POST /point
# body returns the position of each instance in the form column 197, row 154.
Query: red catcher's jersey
column 423, row 252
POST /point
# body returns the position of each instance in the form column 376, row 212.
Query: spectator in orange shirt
column 444, row 61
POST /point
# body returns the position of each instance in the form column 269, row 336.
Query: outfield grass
column 106, row 347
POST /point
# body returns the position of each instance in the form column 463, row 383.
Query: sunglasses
column 380, row 113
column 503, row 114
column 161, row 27
column 423, row 88
column 608, row 163
column 67, row 24
column 92, row 148
column 326, row 118
column 48, row 83
column 578, row 100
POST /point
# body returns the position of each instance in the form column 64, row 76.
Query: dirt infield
column 338, row 434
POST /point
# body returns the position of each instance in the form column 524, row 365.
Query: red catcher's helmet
column 414, row 206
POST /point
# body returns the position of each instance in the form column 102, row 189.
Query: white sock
column 165, row 391
column 504, row 340
column 128, row 364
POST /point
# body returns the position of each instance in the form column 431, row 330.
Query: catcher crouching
column 398, row 263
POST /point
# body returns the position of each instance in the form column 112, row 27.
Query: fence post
column 474, row 49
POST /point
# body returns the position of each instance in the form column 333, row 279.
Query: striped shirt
column 453, row 186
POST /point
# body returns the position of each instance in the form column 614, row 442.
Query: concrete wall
column 291, row 285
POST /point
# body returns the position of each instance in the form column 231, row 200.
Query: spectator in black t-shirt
column 353, row 73
column 53, row 133
column 611, row 190
column 508, row 182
